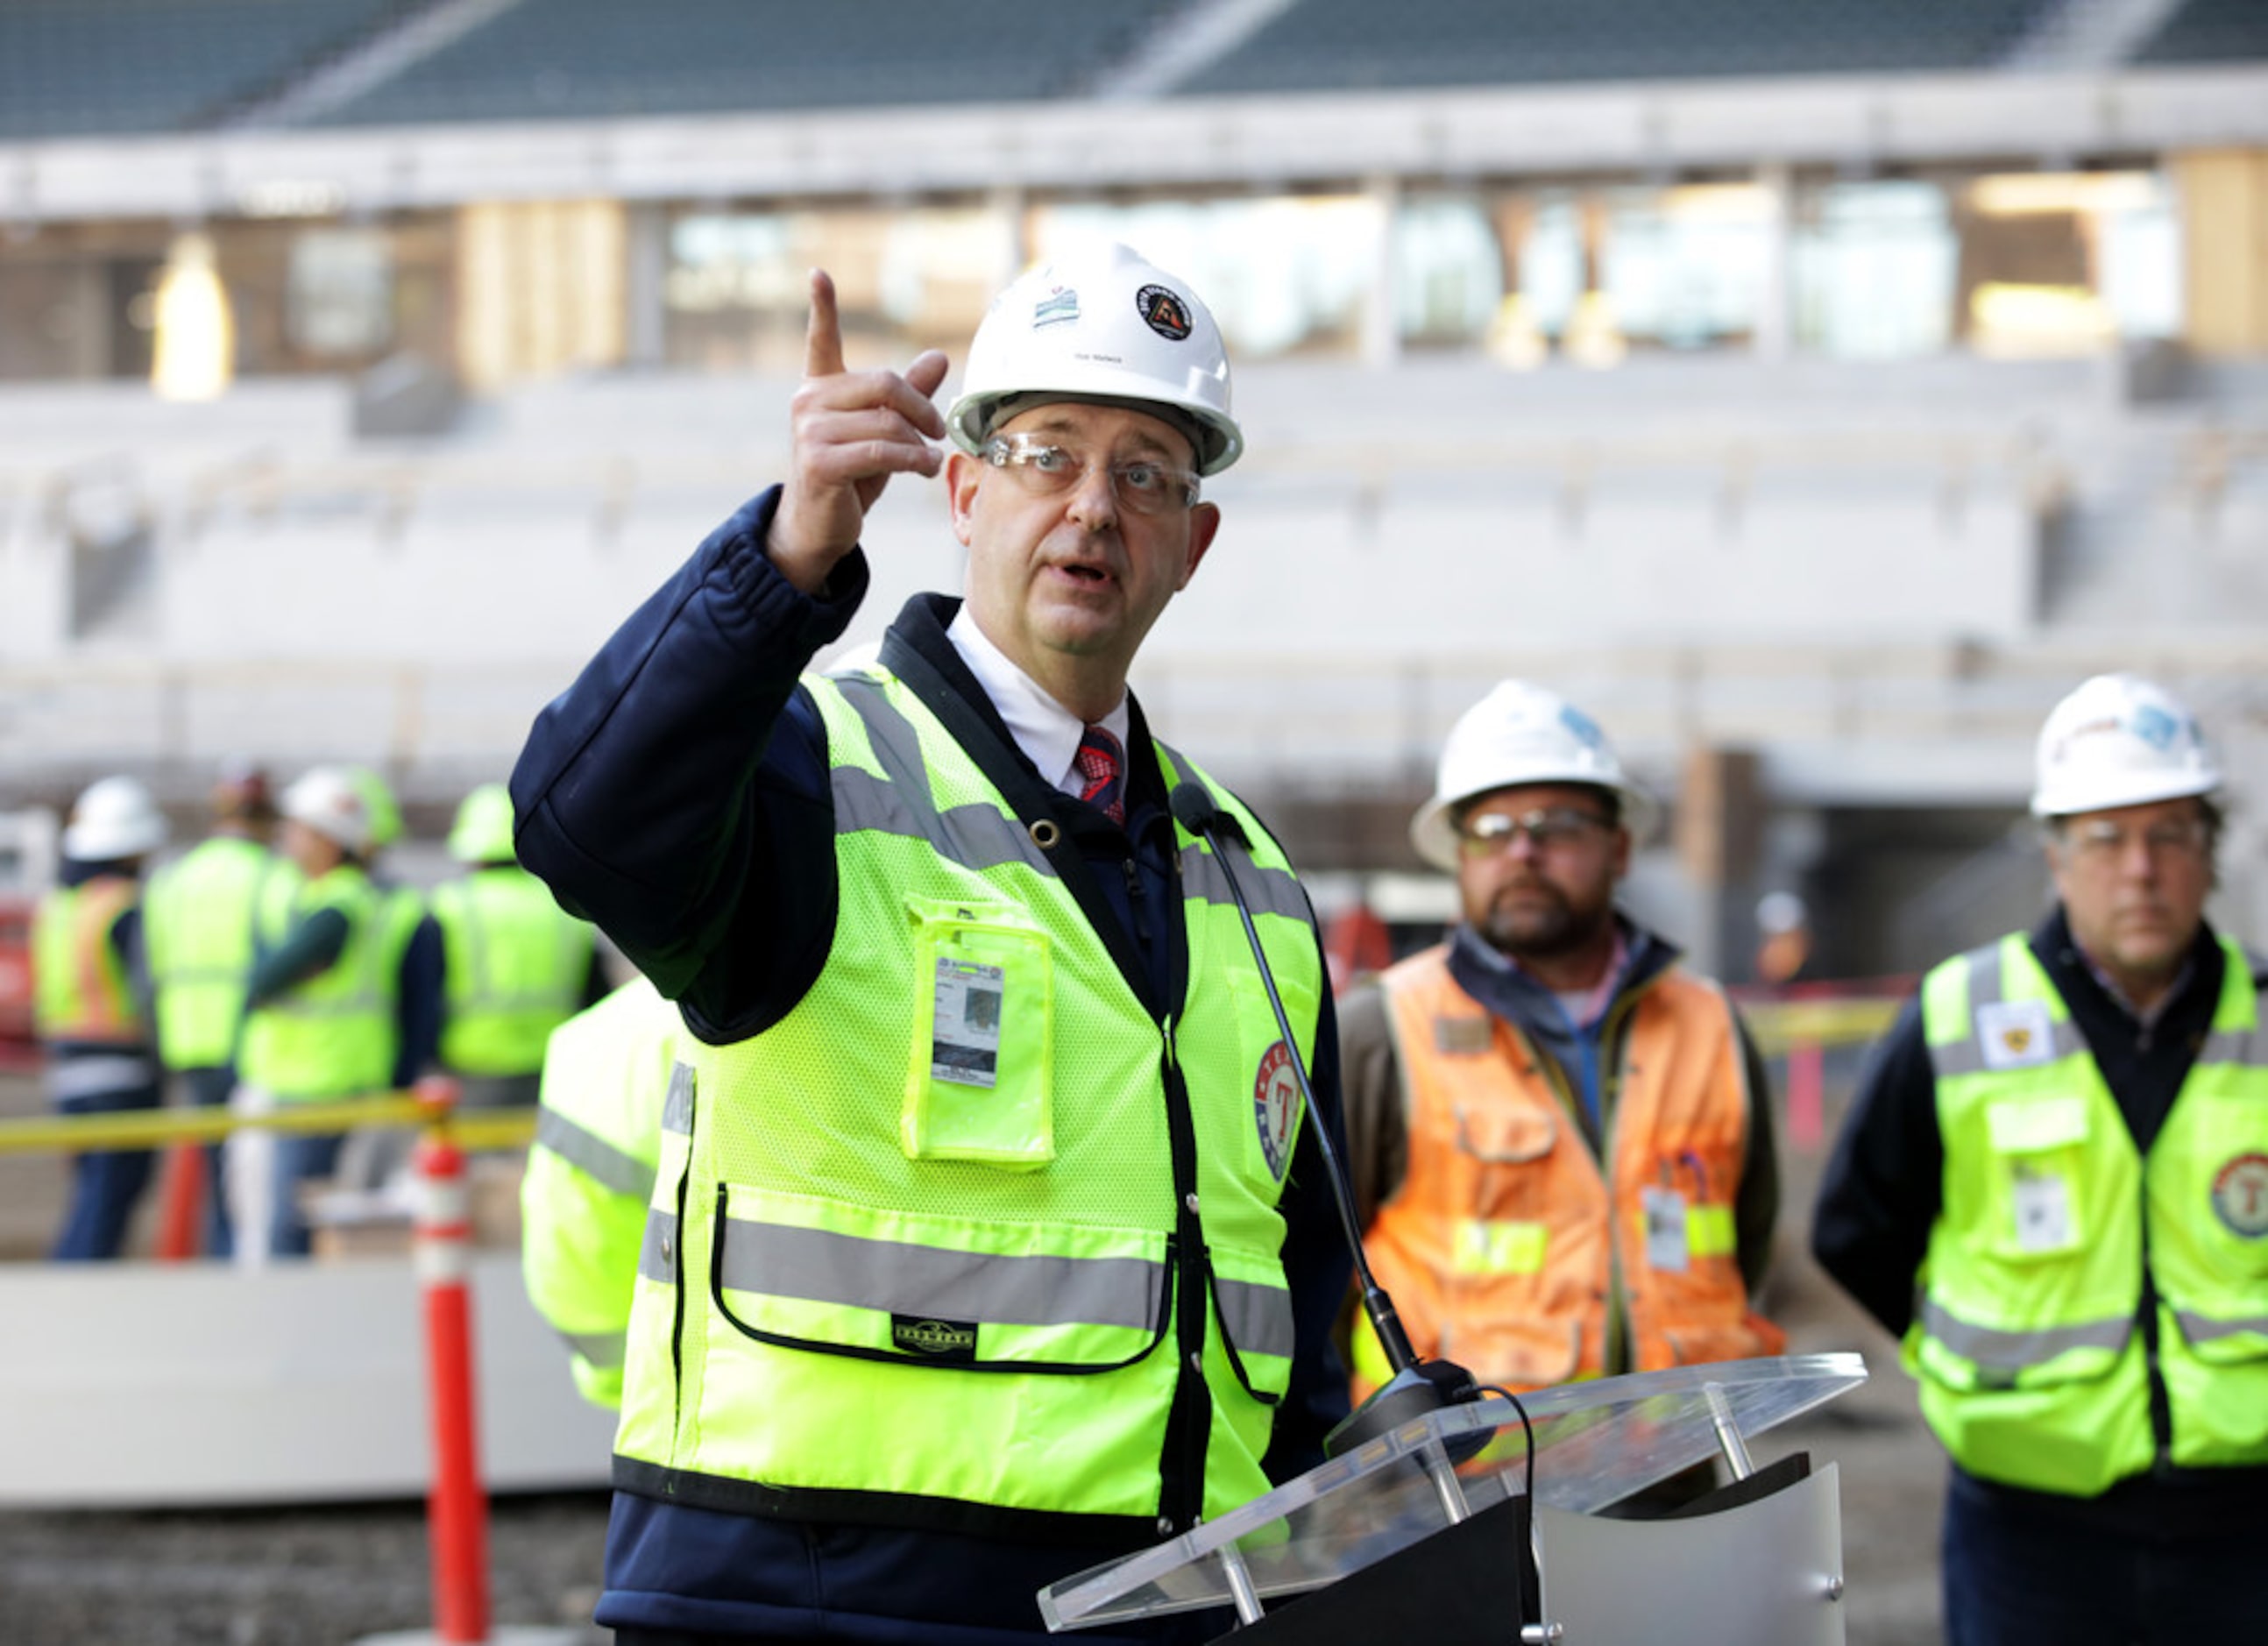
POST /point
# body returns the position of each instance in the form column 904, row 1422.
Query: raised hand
column 851, row 432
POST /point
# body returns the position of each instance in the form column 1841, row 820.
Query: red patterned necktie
column 1101, row 765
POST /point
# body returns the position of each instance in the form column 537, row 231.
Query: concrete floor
column 152, row 1580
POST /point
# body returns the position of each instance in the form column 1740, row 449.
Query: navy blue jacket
column 677, row 795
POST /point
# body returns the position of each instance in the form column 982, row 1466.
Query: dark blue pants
column 2015, row 1577
column 106, row 1184
column 209, row 1088
column 297, row 1159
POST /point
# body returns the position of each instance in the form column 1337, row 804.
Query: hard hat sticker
column 1059, row 307
column 2155, row 726
column 1163, row 311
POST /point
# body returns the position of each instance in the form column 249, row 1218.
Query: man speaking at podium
column 989, row 1240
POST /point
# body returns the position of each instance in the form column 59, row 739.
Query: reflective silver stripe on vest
column 593, row 1156
column 2200, row 1329
column 2246, row 1048
column 658, row 1251
column 1986, row 986
column 979, row 836
column 975, row 836
column 1258, row 1317
column 825, row 1268
column 677, row 1107
column 1270, row 890
column 603, row 1349
column 2014, row 1351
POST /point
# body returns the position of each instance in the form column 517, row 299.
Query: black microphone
column 1416, row 1386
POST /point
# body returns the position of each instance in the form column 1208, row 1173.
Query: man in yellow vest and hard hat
column 90, row 1001
column 203, row 919
column 343, row 1006
column 1559, row 1135
column 2053, row 1183
column 607, row 1076
column 988, row 1238
column 514, row 965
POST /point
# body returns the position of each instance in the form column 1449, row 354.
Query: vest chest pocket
column 2035, row 1208
column 826, row 1277
column 978, row 1075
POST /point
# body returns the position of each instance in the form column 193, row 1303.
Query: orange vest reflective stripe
column 1506, row 1243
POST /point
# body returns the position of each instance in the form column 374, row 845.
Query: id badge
column 964, row 1045
column 2043, row 1209
column 979, row 1076
column 1666, row 1245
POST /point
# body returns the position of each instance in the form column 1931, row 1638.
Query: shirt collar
column 1048, row 733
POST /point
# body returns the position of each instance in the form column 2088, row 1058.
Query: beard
column 1537, row 919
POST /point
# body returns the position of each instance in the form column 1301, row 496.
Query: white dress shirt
column 1048, row 733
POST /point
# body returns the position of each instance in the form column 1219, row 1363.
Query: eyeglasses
column 2100, row 841
column 1547, row 828
column 1046, row 469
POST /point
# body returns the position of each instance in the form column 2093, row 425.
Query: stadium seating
column 77, row 68
column 2211, row 30
column 1354, row 45
column 597, row 59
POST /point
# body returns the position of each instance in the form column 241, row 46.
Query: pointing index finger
column 822, row 344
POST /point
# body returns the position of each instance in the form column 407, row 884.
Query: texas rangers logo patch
column 1274, row 1101
column 2240, row 1195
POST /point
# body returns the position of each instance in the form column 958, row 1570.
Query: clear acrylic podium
column 1436, row 1514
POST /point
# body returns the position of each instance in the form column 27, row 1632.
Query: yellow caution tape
column 153, row 1128
column 1781, row 1025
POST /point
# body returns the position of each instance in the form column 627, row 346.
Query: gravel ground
column 305, row 1576
column 327, row 1575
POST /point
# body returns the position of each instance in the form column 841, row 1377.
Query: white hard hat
column 2120, row 740
column 1101, row 325
column 114, row 818
column 334, row 805
column 1520, row 734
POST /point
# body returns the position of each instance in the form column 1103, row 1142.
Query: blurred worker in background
column 2054, row 1184
column 589, row 1175
column 514, row 965
column 1560, row 1137
column 1783, row 938
column 975, row 1035
column 90, row 1001
column 202, row 921
column 346, row 1005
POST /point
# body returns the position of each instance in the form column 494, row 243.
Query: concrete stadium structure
column 1823, row 603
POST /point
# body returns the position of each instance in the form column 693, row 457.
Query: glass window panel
column 1873, row 270
column 1281, row 273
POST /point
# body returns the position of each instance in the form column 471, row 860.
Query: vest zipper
column 1614, row 1356
column 2161, row 1406
column 1188, row 1422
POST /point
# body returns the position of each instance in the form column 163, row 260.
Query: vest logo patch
column 2015, row 1034
column 2240, row 1195
column 1275, row 1100
column 932, row 1339
column 1461, row 1037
